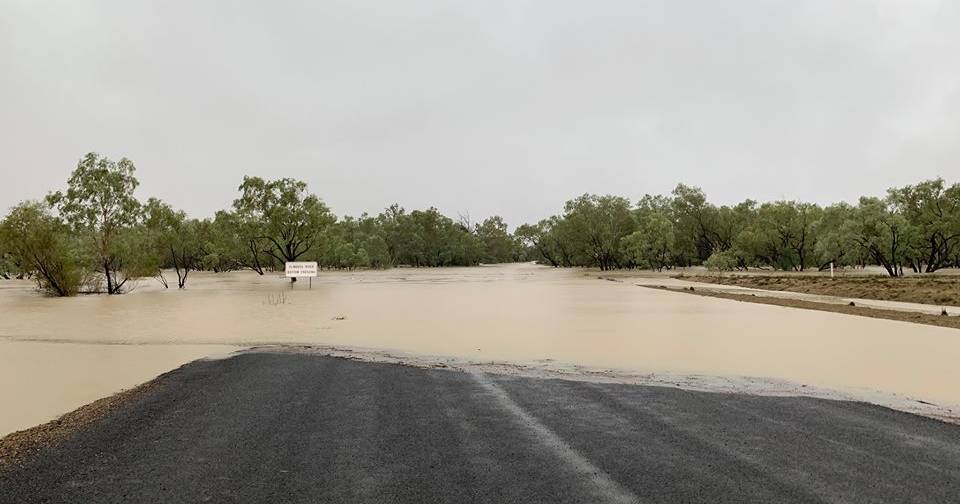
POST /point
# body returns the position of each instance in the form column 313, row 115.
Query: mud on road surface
column 299, row 427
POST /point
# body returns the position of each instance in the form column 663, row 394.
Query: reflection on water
column 512, row 312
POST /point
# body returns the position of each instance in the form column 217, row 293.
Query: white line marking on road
column 605, row 488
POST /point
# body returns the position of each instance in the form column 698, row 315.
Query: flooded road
column 519, row 313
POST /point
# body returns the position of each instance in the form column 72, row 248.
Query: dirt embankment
column 863, row 311
column 932, row 290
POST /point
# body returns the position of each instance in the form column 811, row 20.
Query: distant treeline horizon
column 95, row 235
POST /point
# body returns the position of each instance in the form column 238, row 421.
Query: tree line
column 914, row 228
column 95, row 235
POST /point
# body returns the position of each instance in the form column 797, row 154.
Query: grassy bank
column 933, row 290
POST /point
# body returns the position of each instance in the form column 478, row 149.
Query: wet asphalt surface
column 287, row 427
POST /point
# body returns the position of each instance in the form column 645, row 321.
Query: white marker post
column 831, row 269
column 302, row 269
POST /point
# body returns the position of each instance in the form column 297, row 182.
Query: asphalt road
column 302, row 428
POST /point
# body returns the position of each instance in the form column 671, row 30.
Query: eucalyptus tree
column 429, row 231
column 281, row 213
column 464, row 248
column 541, row 240
column 369, row 236
column 100, row 206
column 880, row 233
column 400, row 234
column 933, row 209
column 562, row 234
column 375, row 248
column 834, row 243
column 8, row 266
column 367, row 248
column 652, row 245
column 782, row 235
column 348, row 256
column 697, row 223
column 731, row 222
column 177, row 239
column 597, row 224
column 232, row 243
column 498, row 244
column 39, row 245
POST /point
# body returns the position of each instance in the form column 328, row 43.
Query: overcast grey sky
column 507, row 107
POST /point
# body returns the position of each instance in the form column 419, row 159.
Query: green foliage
column 231, row 244
column 545, row 241
column 653, row 245
column 595, row 227
column 101, row 233
column 881, row 234
column 915, row 226
column 781, row 235
column 39, row 245
column 498, row 245
column 721, row 261
column 8, row 264
column 933, row 211
column 100, row 207
column 697, row 223
column 427, row 238
column 279, row 217
column 834, row 242
column 177, row 241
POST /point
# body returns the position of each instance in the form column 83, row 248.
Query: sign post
column 301, row 269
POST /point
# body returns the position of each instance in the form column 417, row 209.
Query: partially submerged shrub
column 44, row 248
column 277, row 299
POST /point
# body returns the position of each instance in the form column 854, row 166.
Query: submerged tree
column 43, row 247
column 541, row 238
column 597, row 224
column 176, row 238
column 102, row 235
column 282, row 213
column 100, row 207
column 498, row 245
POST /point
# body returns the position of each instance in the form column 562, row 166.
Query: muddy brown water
column 518, row 313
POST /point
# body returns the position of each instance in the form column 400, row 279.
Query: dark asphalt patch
column 285, row 427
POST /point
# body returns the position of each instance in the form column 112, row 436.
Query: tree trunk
column 106, row 271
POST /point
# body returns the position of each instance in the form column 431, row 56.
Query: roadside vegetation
column 95, row 235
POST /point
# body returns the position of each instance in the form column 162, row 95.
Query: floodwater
column 40, row 381
column 520, row 312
